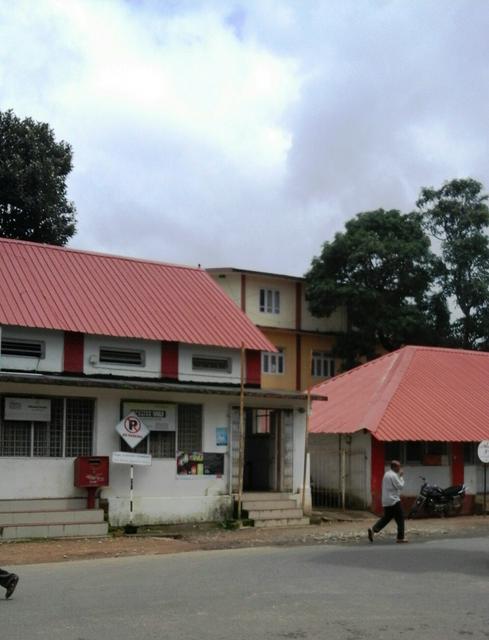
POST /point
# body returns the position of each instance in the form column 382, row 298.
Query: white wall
column 286, row 318
column 160, row 495
column 187, row 374
column 440, row 475
column 53, row 354
column 151, row 348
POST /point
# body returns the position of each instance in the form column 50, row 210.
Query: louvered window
column 23, row 348
column 130, row 357
column 205, row 363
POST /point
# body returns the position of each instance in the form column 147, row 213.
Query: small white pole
column 131, row 495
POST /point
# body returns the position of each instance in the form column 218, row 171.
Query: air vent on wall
column 22, row 348
column 121, row 356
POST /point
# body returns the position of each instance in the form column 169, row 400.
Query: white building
column 88, row 338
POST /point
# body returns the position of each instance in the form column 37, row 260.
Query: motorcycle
column 433, row 500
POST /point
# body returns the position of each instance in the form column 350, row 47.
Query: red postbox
column 91, row 473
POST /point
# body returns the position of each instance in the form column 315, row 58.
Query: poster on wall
column 157, row 416
column 199, row 463
column 221, row 436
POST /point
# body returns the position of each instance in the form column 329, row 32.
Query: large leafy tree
column 458, row 217
column 33, row 171
column 381, row 269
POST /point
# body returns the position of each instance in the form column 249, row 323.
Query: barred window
column 190, row 427
column 161, row 444
column 68, row 434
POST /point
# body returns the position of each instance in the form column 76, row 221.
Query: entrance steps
column 50, row 518
column 273, row 510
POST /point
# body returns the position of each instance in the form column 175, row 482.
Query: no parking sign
column 132, row 430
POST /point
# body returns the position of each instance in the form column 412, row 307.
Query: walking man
column 8, row 581
column 392, row 484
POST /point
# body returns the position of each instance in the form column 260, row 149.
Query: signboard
column 483, row 451
column 222, row 436
column 127, row 457
column 157, row 416
column 132, row 430
column 199, row 463
column 28, row 409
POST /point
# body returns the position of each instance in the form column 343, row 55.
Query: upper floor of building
column 275, row 301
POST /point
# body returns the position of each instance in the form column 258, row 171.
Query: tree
column 381, row 269
column 457, row 215
column 33, row 172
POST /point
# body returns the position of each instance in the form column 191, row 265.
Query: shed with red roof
column 426, row 406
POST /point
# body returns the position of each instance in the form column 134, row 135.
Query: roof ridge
column 99, row 254
column 388, row 387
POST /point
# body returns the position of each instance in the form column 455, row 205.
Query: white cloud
column 245, row 134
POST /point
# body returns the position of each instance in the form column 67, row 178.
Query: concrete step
column 258, row 505
column 265, row 495
column 54, row 530
column 72, row 516
column 282, row 522
column 43, row 504
column 275, row 514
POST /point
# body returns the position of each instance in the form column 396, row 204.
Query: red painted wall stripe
column 377, row 473
column 298, row 362
column 169, row 360
column 73, row 352
column 243, row 292
column 457, row 463
column 253, row 367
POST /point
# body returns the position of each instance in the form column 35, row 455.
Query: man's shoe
column 11, row 586
column 402, row 541
column 370, row 534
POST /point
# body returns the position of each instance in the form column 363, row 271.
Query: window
column 273, row 362
column 322, row 365
column 470, row 453
column 23, row 348
column 161, row 444
column 269, row 301
column 417, row 453
column 68, row 434
column 130, row 357
column 208, row 363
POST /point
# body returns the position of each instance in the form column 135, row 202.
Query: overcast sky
column 245, row 133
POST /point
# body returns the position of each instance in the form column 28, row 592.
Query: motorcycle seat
column 454, row 490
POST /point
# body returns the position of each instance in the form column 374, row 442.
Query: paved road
column 427, row 590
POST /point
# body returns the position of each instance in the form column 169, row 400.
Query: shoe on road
column 11, row 586
column 370, row 534
column 402, row 541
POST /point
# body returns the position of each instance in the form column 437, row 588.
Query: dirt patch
column 153, row 541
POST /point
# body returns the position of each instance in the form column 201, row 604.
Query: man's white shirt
column 391, row 488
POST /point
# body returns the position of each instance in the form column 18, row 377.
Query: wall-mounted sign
column 28, row 409
column 483, row 451
column 132, row 430
column 222, row 436
column 157, row 416
column 199, row 463
column 128, row 457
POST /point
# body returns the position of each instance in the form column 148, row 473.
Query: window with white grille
column 269, row 300
column 68, row 434
column 273, row 362
column 23, row 348
column 188, row 436
column 322, row 365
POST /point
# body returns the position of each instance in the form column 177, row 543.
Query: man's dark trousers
column 5, row 578
column 394, row 512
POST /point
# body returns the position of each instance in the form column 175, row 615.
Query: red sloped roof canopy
column 416, row 393
column 56, row 288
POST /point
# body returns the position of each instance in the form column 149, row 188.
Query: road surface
column 437, row 590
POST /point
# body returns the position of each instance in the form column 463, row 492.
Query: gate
column 326, row 481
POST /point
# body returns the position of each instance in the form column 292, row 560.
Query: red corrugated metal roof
column 56, row 288
column 416, row 393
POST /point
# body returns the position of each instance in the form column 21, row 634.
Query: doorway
column 263, row 450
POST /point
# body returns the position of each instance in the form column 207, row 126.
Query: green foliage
column 33, row 172
column 381, row 269
column 457, row 215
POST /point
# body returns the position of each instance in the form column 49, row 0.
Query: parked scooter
column 432, row 500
